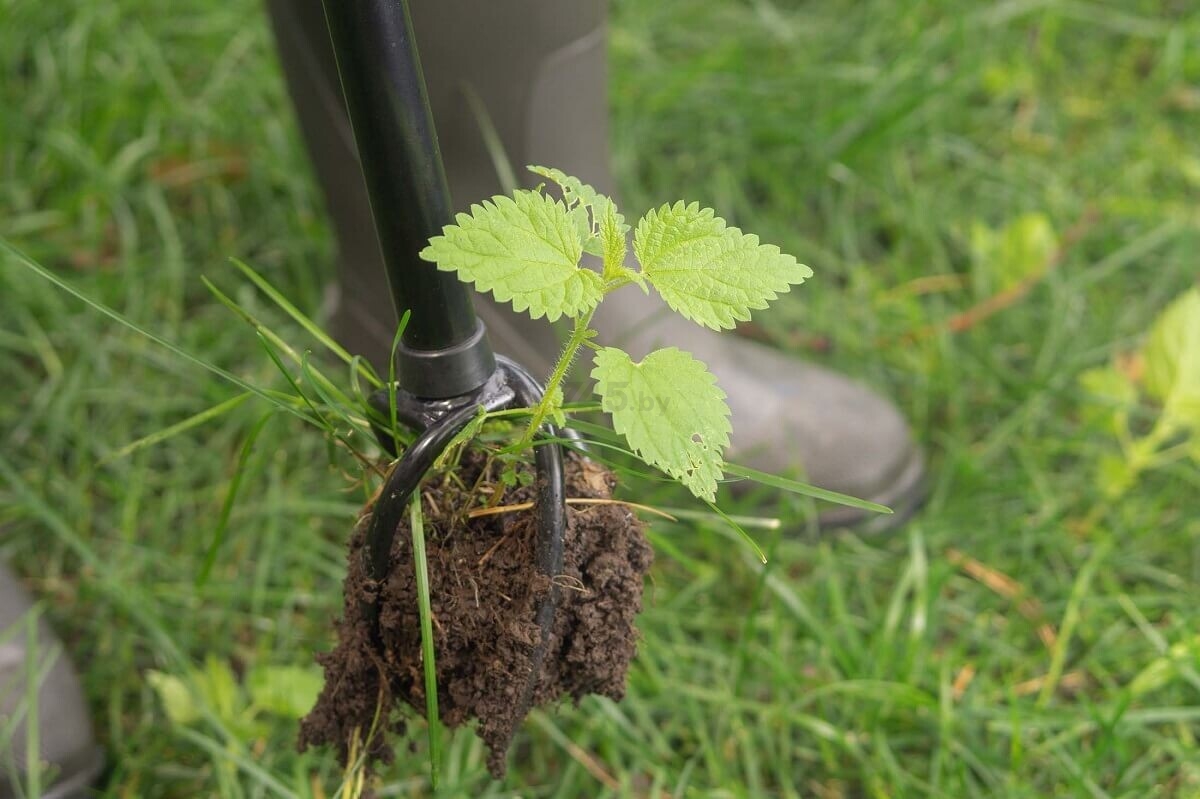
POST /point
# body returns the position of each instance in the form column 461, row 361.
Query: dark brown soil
column 484, row 592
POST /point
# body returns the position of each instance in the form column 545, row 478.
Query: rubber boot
column 538, row 71
column 63, row 726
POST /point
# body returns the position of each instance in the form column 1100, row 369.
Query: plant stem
column 579, row 335
column 425, row 613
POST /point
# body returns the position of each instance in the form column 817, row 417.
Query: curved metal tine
column 402, row 481
column 419, row 414
column 551, row 504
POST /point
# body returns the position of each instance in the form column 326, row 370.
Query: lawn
column 996, row 198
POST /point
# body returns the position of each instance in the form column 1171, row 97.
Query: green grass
column 141, row 148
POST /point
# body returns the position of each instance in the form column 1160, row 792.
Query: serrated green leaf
column 627, row 275
column 613, row 231
column 603, row 208
column 1022, row 248
column 555, row 407
column 590, row 209
column 670, row 410
column 175, row 696
column 1178, row 662
column 524, row 249
column 573, row 189
column 1172, row 358
column 288, row 691
column 592, row 244
column 220, row 687
column 712, row 274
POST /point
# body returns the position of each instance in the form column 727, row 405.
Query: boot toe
column 790, row 416
column 64, row 726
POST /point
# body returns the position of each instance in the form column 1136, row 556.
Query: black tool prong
column 403, row 480
column 442, row 420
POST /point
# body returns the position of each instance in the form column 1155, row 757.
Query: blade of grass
column 360, row 400
column 804, row 489
column 322, row 422
column 762, row 556
column 341, row 406
column 120, row 319
column 417, row 523
column 491, row 140
column 756, row 522
column 33, row 765
column 270, row 335
column 337, row 403
column 223, row 752
column 318, row 419
column 1071, row 617
column 569, row 408
column 129, row 599
column 589, row 448
column 160, row 436
column 235, row 483
column 395, row 428
column 309, row 325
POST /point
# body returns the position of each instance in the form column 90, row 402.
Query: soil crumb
column 484, row 592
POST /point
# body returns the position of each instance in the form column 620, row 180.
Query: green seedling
column 1150, row 402
column 528, row 249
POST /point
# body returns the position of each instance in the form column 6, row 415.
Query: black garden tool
column 444, row 364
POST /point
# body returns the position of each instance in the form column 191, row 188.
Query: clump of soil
column 485, row 592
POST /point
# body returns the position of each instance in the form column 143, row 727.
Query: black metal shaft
column 444, row 351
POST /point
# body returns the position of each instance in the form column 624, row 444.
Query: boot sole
column 905, row 496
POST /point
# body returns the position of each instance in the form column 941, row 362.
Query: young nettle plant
column 1150, row 401
column 528, row 250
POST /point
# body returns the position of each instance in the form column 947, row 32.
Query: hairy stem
column 579, row 335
